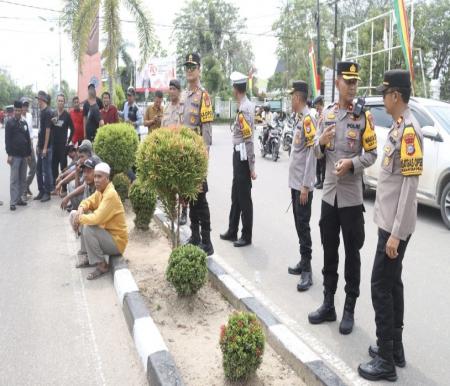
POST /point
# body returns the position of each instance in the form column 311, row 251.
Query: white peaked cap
column 103, row 167
column 238, row 78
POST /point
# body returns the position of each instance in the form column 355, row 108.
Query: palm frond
column 144, row 27
column 111, row 27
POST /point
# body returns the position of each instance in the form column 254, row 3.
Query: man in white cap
column 104, row 232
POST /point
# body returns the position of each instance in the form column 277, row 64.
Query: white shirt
column 29, row 120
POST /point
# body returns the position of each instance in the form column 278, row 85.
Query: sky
column 29, row 38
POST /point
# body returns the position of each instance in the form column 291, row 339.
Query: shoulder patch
column 246, row 128
column 411, row 156
column 369, row 137
column 309, row 129
column 206, row 113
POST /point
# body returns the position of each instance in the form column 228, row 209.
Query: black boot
column 399, row 352
column 228, row 236
column 183, row 217
column 305, row 281
column 382, row 366
column 326, row 312
column 347, row 321
column 296, row 270
column 195, row 235
column 206, row 244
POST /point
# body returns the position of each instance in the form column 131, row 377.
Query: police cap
column 192, row 58
column 348, row 70
column 395, row 78
column 300, row 86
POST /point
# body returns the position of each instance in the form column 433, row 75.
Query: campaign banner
column 90, row 68
column 156, row 74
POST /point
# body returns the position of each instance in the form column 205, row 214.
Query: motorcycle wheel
column 275, row 155
column 263, row 152
column 289, row 151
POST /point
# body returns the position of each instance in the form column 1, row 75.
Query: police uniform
column 243, row 166
column 301, row 175
column 342, row 200
column 196, row 113
column 395, row 214
column 171, row 114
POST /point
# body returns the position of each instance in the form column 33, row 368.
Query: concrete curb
column 156, row 358
column 308, row 365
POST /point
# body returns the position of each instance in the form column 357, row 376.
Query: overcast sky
column 30, row 44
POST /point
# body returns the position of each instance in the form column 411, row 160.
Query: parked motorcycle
column 288, row 134
column 272, row 145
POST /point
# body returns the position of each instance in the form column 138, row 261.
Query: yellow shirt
column 155, row 113
column 108, row 213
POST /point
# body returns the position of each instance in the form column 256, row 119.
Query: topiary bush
column 176, row 163
column 116, row 144
column 143, row 200
column 187, row 270
column 242, row 343
column 121, row 183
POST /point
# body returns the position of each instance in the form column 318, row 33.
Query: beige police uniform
column 171, row 115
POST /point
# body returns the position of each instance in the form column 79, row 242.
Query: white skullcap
column 103, row 167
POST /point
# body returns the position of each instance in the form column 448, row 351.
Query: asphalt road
column 56, row 327
column 275, row 246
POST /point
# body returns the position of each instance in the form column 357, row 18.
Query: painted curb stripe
column 264, row 315
column 235, row 288
column 134, row 308
column 123, row 283
column 162, row 371
column 147, row 338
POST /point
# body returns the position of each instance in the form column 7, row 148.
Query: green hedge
column 143, row 200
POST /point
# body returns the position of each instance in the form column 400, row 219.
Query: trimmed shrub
column 143, row 200
column 187, row 270
column 116, row 144
column 242, row 343
column 121, row 183
column 175, row 161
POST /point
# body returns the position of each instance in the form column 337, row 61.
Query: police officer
column 301, row 179
column 196, row 113
column 320, row 169
column 395, row 215
column 243, row 166
column 347, row 138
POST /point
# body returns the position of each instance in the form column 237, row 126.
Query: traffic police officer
column 196, row 113
column 395, row 215
column 347, row 138
column 301, row 179
column 243, row 166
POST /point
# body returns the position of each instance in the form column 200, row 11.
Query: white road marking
column 82, row 305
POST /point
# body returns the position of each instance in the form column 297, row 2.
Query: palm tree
column 80, row 16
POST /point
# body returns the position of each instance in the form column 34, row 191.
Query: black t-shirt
column 60, row 128
column 93, row 118
column 45, row 123
column 86, row 106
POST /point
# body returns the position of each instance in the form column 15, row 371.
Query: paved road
column 275, row 246
column 56, row 327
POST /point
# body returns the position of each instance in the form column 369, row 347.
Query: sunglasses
column 190, row 67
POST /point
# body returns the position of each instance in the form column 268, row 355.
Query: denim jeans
column 44, row 172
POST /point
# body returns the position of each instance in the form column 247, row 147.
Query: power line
column 29, row 6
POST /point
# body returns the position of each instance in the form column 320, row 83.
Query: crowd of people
column 340, row 134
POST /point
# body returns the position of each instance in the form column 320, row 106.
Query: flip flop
column 96, row 274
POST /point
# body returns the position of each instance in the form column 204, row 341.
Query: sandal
column 96, row 274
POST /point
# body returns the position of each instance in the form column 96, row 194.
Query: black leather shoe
column 297, row 270
column 39, row 196
column 228, row 236
column 347, row 322
column 193, row 241
column 326, row 312
column 46, row 197
column 12, row 207
column 305, row 281
column 208, row 248
column 22, row 203
column 382, row 366
column 398, row 352
column 241, row 243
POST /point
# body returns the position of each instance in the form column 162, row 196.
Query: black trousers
column 59, row 160
column 351, row 221
column 241, row 198
column 387, row 288
column 302, row 216
column 199, row 214
column 320, row 169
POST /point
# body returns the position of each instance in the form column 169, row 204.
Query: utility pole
column 60, row 66
column 319, row 67
column 335, row 41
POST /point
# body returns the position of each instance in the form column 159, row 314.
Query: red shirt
column 110, row 116
column 77, row 119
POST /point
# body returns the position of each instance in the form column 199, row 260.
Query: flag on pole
column 404, row 34
column 314, row 76
column 250, row 81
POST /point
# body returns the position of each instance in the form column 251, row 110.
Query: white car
column 434, row 118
